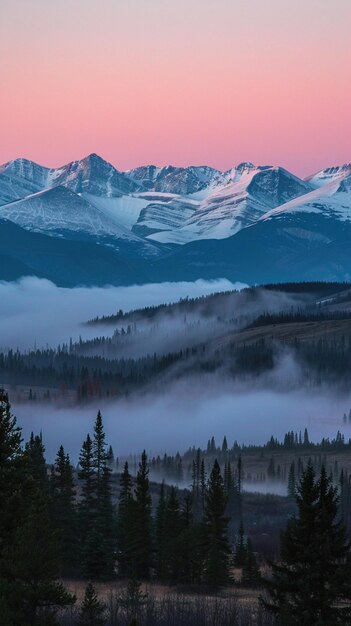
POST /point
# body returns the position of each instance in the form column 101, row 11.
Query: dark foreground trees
column 311, row 582
column 217, row 549
column 29, row 564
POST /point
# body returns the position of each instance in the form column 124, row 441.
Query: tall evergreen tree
column 240, row 547
column 250, row 573
column 217, row 550
column 160, row 533
column 141, row 544
column 86, row 475
column 110, row 458
column 100, row 456
column 96, row 509
column 106, row 524
column 124, row 523
column 12, row 475
column 33, row 563
column 173, row 528
column 35, row 459
column 64, row 515
column 311, row 581
column 29, row 590
column 105, row 510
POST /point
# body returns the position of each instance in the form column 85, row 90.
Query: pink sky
column 177, row 81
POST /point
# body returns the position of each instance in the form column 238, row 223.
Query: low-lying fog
column 189, row 415
column 35, row 312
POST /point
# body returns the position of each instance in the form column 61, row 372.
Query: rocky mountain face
column 177, row 223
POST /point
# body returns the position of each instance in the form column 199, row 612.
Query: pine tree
column 311, row 580
column 161, row 534
column 173, row 527
column 240, row 547
column 28, row 551
column 32, row 561
column 198, row 479
column 11, row 457
column 63, row 511
column 141, row 546
column 92, row 612
column 35, row 459
column 250, row 572
column 306, row 439
column 124, row 523
column 100, row 456
column 106, row 523
column 88, row 489
column 186, row 544
column 110, row 458
column 96, row 509
column 217, row 550
column 12, row 476
column 87, row 504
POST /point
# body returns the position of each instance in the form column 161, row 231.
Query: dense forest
column 102, row 523
column 322, row 360
column 242, row 336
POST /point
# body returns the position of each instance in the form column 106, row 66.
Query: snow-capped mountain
column 93, row 175
column 59, row 209
column 176, row 180
column 331, row 198
column 175, row 223
column 330, row 175
column 164, row 213
column 62, row 212
column 247, row 195
column 20, row 178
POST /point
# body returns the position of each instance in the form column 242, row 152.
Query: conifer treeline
column 62, row 523
column 55, row 524
column 326, row 359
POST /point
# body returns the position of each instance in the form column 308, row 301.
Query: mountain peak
column 330, row 174
column 94, row 157
column 245, row 165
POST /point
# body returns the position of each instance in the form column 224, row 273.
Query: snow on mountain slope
column 237, row 204
column 330, row 174
column 145, row 176
column 184, row 180
column 164, row 213
column 177, row 180
column 21, row 177
column 164, row 205
column 124, row 210
column 92, row 175
column 60, row 209
column 331, row 199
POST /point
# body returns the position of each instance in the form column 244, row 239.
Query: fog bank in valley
column 35, row 312
column 189, row 415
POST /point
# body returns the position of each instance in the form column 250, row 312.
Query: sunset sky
column 177, row 81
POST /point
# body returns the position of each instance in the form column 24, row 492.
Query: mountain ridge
column 173, row 222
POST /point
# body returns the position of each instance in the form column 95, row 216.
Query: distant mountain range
column 88, row 223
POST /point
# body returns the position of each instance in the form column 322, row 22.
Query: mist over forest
column 202, row 359
column 35, row 312
column 186, row 416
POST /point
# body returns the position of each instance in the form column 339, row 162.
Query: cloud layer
column 34, row 312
